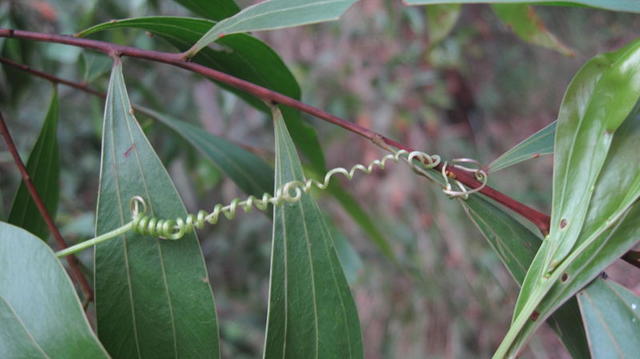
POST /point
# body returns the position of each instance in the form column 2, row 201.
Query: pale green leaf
column 612, row 319
column 311, row 311
column 153, row 298
column 596, row 182
column 525, row 22
column 536, row 145
column 43, row 166
column 274, row 14
column 614, row 5
column 40, row 313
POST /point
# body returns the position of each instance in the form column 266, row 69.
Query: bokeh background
column 474, row 93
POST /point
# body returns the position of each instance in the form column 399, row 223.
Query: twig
column 536, row 217
column 631, row 257
column 76, row 273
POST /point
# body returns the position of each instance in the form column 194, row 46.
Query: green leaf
column 516, row 246
column 273, row 14
column 44, row 169
column 617, row 5
column 311, row 311
column 244, row 57
column 597, row 98
column 525, row 22
column 153, row 297
column 40, row 313
column 251, row 173
column 612, row 317
column 214, row 10
column 536, row 145
column 440, row 21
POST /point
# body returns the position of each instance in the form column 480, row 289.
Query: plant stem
column 631, row 257
column 73, row 261
column 95, row 241
column 536, row 217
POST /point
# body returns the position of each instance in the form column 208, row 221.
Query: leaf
column 43, row 166
column 153, row 297
column 252, row 174
column 516, row 246
column 273, row 14
column 612, row 317
column 536, row 145
column 605, row 232
column 214, row 10
column 598, row 100
column 525, row 22
column 617, row 5
column 311, row 311
column 40, row 313
column 440, row 21
column 244, row 57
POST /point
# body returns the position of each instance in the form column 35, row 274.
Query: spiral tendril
column 290, row 192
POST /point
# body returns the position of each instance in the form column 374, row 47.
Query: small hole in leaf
column 563, row 223
column 534, row 316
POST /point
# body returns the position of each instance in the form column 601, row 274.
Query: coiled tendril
column 290, row 192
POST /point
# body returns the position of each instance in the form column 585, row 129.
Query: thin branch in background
column 539, row 219
column 74, row 266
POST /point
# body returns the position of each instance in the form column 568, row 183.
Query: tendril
column 290, row 192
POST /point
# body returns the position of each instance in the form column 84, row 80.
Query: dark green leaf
column 153, row 298
column 615, row 5
column 311, row 311
column 516, row 246
column 612, row 319
column 211, row 9
column 536, row 145
column 44, row 169
column 243, row 56
column 274, row 14
column 525, row 22
column 40, row 314
column 252, row 174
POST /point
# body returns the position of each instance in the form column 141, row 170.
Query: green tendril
column 291, row 192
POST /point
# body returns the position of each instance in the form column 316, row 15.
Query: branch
column 76, row 273
column 631, row 257
column 536, row 217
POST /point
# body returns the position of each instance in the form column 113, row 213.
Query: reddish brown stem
column 74, row 266
column 536, row 217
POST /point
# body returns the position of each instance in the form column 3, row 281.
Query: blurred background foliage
column 472, row 92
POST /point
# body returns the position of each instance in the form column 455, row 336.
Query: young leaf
column 214, row 10
column 153, row 297
column 612, row 319
column 608, row 200
column 589, row 116
column 440, row 21
column 525, row 22
column 516, row 246
column 44, row 169
column 536, row 145
column 311, row 311
column 617, row 5
column 40, row 313
column 243, row 56
column 273, row 14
